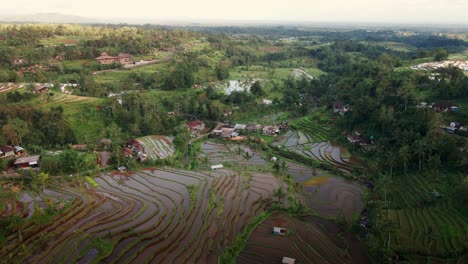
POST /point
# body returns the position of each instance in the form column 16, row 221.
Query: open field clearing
column 154, row 215
column 260, row 72
column 308, row 240
column 122, row 74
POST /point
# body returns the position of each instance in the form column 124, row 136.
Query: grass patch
column 92, row 181
column 230, row 253
column 122, row 74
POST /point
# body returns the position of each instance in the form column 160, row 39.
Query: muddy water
column 308, row 240
column 328, row 195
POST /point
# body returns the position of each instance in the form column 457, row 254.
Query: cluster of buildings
column 439, row 107
column 236, row 132
column 11, row 152
column 195, row 126
column 340, row 108
column 134, row 148
column 32, row 69
column 356, row 137
column 122, row 58
column 21, row 160
column 456, row 127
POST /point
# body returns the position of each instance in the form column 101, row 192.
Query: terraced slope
column 157, row 147
column 426, row 225
column 310, row 240
column 8, row 87
column 158, row 216
column 325, row 194
column 309, row 138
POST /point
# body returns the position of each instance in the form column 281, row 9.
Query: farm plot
column 8, row 87
column 157, row 216
column 157, row 147
column 310, row 139
column 438, row 231
column 80, row 112
column 234, row 156
column 425, row 225
column 308, row 240
column 327, row 195
column 332, row 196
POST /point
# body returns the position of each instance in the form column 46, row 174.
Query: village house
column 142, row 157
column 239, row 127
column 279, row 231
column 217, row 167
column 195, row 125
column 121, row 58
column 134, row 147
column 32, row 69
column 355, row 137
column 270, row 130
column 444, row 107
column 19, row 61
column 127, row 152
column 122, row 169
column 340, row 108
column 455, row 127
column 227, row 132
column 287, row 260
column 42, row 88
column 79, row 146
column 19, row 151
column 27, row 162
column 7, row 151
column 253, row 128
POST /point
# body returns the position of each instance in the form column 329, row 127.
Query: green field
column 57, row 40
column 426, row 224
column 266, row 73
column 80, row 112
column 393, row 45
column 121, row 75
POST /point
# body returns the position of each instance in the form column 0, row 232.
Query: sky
column 384, row 11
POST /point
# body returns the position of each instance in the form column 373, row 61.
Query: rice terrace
column 234, row 136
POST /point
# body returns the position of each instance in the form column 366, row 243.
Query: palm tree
column 279, row 194
column 42, row 177
column 404, row 153
column 284, row 167
column 247, row 157
column 420, row 149
column 390, row 161
column 276, row 167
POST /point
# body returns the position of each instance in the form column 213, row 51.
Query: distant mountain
column 47, row 18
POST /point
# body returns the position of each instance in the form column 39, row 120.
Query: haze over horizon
column 359, row 11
